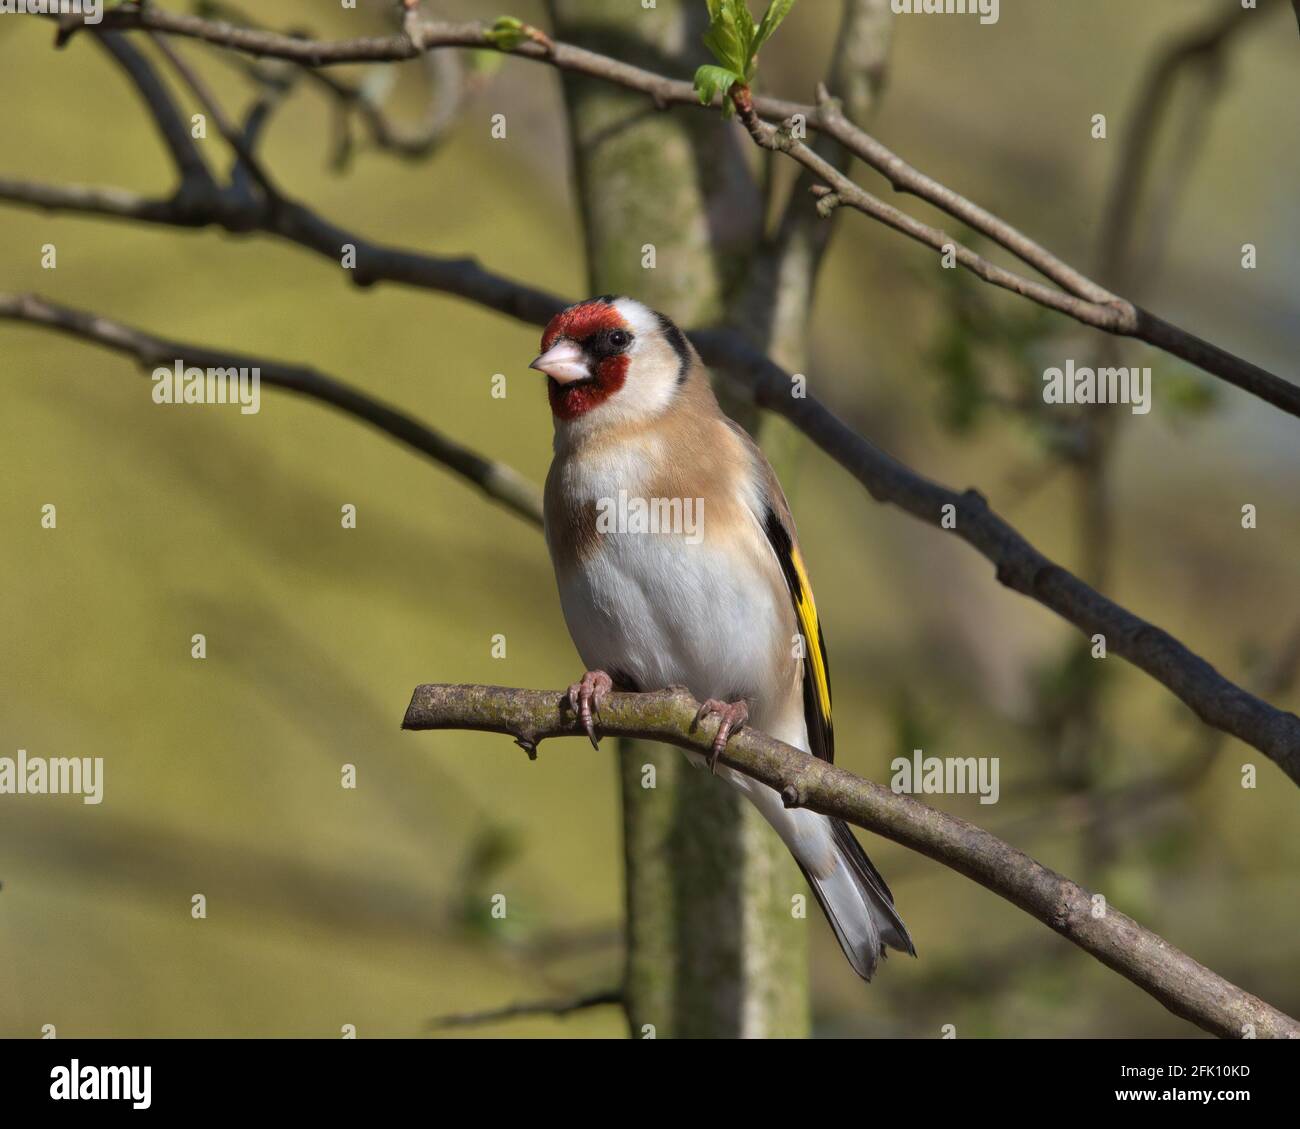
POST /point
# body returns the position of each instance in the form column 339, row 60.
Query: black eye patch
column 607, row 343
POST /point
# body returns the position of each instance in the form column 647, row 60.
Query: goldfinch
column 677, row 564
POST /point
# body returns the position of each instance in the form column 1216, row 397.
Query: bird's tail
column 847, row 885
column 857, row 902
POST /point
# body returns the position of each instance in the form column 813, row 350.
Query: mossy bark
column 713, row 947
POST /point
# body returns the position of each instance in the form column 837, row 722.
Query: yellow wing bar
column 812, row 633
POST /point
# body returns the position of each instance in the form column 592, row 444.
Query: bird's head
column 612, row 360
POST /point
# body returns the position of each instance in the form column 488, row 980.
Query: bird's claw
column 585, row 697
column 733, row 715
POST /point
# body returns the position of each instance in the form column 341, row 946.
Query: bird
column 678, row 564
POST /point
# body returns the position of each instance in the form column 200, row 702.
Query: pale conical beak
column 564, row 362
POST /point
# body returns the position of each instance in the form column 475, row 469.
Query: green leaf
column 507, row 33
column 711, row 80
column 777, row 11
column 729, row 34
column 745, row 26
column 734, row 40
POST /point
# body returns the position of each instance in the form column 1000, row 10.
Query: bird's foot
column 585, row 697
column 733, row 715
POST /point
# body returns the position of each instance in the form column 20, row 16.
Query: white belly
column 664, row 612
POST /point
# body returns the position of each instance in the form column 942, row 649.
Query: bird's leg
column 585, row 697
column 733, row 714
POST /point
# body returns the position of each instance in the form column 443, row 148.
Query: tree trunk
column 713, row 947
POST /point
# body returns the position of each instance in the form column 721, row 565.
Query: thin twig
column 1083, row 300
column 171, row 126
column 234, row 137
column 498, row 481
column 446, row 87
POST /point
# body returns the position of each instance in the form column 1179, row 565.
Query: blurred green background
column 371, row 907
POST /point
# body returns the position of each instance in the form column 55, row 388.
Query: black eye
column 607, row 343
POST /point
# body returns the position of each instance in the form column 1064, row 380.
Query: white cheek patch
column 650, row 385
column 637, row 401
column 652, row 366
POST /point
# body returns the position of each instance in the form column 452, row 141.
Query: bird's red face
column 611, row 362
column 584, row 356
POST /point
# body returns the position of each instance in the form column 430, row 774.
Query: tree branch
column 233, row 136
column 1080, row 297
column 93, row 200
column 782, row 275
column 1083, row 300
column 1186, row 988
column 446, row 83
column 173, row 129
column 498, row 481
column 1204, row 45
